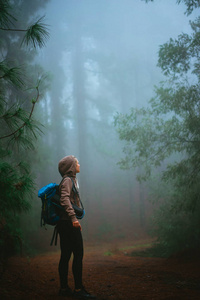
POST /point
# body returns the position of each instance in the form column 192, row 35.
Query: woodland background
column 78, row 89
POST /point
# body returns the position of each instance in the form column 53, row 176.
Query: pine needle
column 36, row 34
column 14, row 74
column 5, row 17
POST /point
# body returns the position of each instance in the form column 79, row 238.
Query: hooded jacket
column 67, row 168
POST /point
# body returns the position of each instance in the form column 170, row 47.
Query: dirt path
column 109, row 274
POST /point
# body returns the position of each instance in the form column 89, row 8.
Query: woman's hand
column 76, row 224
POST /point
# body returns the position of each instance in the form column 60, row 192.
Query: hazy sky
column 124, row 29
column 128, row 24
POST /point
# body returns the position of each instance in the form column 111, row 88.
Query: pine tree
column 18, row 129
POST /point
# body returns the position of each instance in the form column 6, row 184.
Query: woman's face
column 77, row 166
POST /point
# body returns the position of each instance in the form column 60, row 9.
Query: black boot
column 67, row 292
column 83, row 294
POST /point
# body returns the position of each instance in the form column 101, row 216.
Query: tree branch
column 30, row 115
column 10, row 29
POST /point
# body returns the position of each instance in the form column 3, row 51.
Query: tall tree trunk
column 80, row 115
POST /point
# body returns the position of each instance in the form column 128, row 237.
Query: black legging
column 70, row 242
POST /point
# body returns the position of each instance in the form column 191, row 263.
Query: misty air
column 100, row 160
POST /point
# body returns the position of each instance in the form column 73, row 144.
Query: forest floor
column 109, row 272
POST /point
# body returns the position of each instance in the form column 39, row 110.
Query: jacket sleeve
column 65, row 193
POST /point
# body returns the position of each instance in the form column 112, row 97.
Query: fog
column 101, row 59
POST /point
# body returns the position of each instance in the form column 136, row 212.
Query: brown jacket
column 67, row 168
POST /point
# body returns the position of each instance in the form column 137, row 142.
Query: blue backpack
column 51, row 208
column 50, row 204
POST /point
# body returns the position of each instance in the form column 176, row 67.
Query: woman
column 69, row 230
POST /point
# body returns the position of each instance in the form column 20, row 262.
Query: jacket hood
column 67, row 166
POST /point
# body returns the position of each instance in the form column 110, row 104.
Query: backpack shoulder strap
column 76, row 192
column 55, row 236
column 74, row 187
